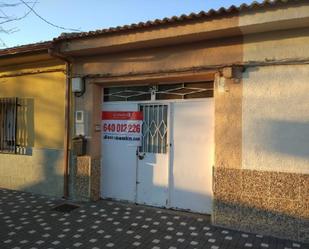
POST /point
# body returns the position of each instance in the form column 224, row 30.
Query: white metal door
column 177, row 176
column 118, row 170
column 153, row 156
column 193, row 155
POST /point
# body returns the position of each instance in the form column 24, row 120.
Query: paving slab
column 29, row 221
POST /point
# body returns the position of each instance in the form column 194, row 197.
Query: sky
column 86, row 15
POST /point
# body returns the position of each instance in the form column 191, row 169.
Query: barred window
column 8, row 125
column 154, row 128
column 183, row 91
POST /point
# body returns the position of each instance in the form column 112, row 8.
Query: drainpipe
column 58, row 55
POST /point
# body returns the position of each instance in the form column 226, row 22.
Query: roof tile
column 175, row 19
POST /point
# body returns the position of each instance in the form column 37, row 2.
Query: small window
column 160, row 92
column 185, row 91
column 8, row 124
column 132, row 93
column 154, row 138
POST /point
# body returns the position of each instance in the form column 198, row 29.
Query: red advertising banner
column 122, row 126
column 122, row 115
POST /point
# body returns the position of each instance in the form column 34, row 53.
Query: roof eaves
column 175, row 19
column 28, row 48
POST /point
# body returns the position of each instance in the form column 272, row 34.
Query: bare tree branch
column 21, row 17
column 8, row 31
column 46, row 21
column 8, row 5
column 7, row 16
column 2, row 43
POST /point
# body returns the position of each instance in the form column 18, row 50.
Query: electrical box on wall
column 77, row 85
column 80, row 123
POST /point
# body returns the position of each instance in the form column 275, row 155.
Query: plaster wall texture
column 276, row 119
column 198, row 54
column 288, row 12
column 91, row 103
column 86, row 169
column 261, row 182
column 40, row 173
column 228, row 125
column 279, row 45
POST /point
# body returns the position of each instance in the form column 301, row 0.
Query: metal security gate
column 153, row 156
column 172, row 166
column 192, row 155
column 118, row 171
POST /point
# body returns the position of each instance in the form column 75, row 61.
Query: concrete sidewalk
column 28, row 221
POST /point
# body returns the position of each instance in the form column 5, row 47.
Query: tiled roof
column 39, row 46
column 177, row 19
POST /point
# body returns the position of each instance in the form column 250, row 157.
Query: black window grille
column 8, row 125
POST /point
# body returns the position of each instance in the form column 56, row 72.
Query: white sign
column 122, row 126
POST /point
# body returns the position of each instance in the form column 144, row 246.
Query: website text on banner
column 123, row 126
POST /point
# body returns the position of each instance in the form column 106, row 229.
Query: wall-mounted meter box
column 79, row 117
column 80, row 123
column 77, row 85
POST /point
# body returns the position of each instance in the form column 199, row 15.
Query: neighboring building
column 32, row 107
column 223, row 99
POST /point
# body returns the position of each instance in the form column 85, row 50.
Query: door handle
column 141, row 156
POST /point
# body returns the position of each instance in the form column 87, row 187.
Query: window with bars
column 154, row 139
column 8, row 125
column 194, row 90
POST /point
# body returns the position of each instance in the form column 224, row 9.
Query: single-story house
column 205, row 112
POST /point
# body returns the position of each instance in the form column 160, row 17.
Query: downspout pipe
column 67, row 61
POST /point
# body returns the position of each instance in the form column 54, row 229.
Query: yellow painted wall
column 41, row 122
column 47, row 92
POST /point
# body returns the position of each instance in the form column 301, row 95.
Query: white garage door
column 172, row 166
